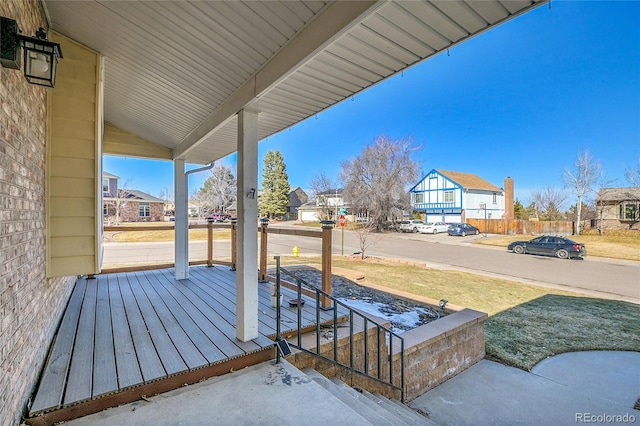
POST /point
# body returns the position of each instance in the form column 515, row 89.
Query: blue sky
column 520, row 100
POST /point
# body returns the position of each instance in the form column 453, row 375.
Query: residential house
column 618, row 208
column 448, row 196
column 116, row 98
column 297, row 197
column 327, row 205
column 128, row 205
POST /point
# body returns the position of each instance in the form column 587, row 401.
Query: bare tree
column 586, row 172
column 119, row 201
column 366, row 235
column 377, row 180
column 633, row 175
column 321, row 186
column 219, row 190
column 548, row 203
column 167, row 196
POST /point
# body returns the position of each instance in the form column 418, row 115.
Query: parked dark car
column 547, row 245
column 462, row 229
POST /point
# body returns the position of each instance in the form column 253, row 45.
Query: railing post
column 234, row 225
column 277, row 284
column 264, row 222
column 327, row 226
column 209, row 243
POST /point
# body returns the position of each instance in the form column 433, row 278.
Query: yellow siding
column 72, row 148
column 73, row 167
column 71, row 226
column 68, row 266
column 70, row 187
column 73, row 246
column 74, row 163
column 120, row 142
column 71, row 207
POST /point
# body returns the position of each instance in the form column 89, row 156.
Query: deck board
column 148, row 359
column 192, row 343
column 127, row 367
column 105, row 378
column 214, row 344
column 223, row 318
column 126, row 330
column 167, row 351
column 185, row 346
column 53, row 381
column 80, row 380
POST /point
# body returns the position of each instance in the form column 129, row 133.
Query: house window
column 628, row 211
column 495, row 198
column 419, row 198
column 448, row 196
column 145, row 210
column 105, row 210
column 105, row 186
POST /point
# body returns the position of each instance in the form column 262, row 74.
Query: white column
column 182, row 221
column 247, row 248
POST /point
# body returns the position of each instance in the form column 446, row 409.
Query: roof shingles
column 469, row 181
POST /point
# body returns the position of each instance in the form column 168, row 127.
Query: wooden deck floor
column 121, row 331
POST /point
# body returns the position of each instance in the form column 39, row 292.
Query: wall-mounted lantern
column 40, row 55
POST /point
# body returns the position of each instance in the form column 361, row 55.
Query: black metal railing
column 382, row 368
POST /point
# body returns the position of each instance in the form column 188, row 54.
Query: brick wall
column 130, row 212
column 434, row 353
column 437, row 351
column 30, row 304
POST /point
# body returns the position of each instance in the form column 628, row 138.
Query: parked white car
column 433, row 228
column 410, row 225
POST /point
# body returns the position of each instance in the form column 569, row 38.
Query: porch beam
column 335, row 20
column 247, row 242
column 182, row 221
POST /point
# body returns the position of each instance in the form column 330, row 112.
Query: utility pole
column 483, row 206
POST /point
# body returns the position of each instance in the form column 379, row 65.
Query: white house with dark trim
column 455, row 197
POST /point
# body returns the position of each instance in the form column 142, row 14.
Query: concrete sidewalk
column 567, row 389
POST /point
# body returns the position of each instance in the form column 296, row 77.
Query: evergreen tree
column 275, row 186
column 519, row 211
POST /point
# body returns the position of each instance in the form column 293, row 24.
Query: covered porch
column 126, row 336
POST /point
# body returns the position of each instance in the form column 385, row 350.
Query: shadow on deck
column 128, row 335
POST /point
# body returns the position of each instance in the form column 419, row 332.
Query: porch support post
column 182, row 221
column 247, row 240
column 327, row 227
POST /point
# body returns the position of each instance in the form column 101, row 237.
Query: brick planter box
column 434, row 353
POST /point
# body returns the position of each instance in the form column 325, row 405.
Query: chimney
column 508, row 199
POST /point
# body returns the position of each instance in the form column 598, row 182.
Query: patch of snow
column 400, row 321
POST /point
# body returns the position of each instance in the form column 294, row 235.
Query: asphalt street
column 609, row 278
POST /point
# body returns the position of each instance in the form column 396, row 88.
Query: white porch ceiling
column 177, row 72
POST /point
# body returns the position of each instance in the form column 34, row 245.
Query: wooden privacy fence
column 509, row 227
